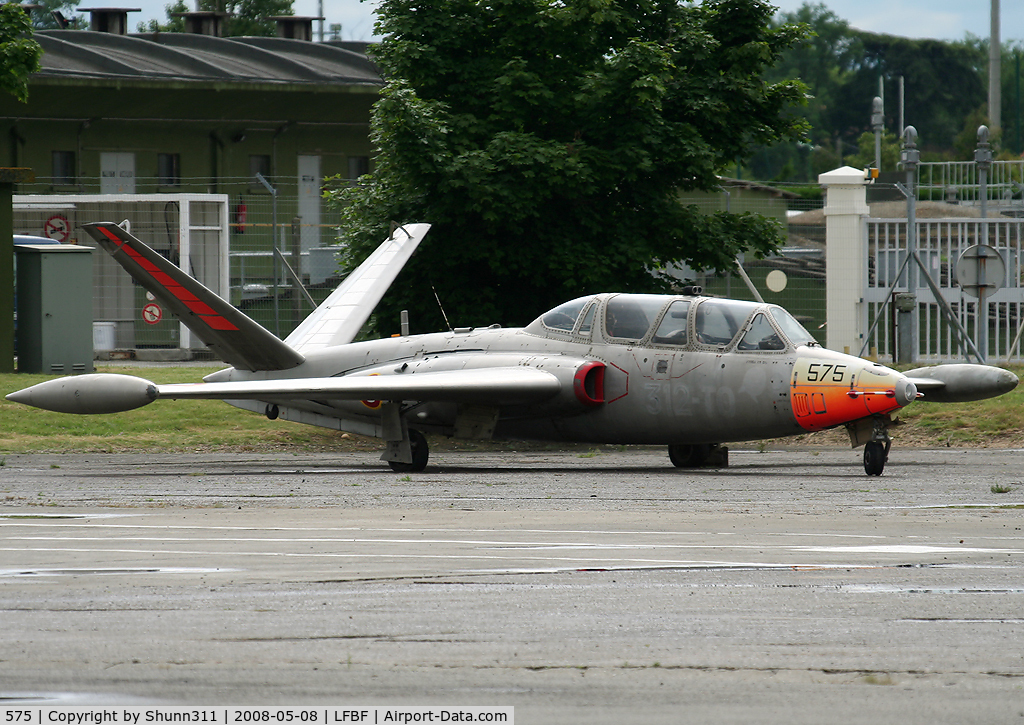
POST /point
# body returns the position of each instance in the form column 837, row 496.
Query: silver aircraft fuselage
column 691, row 370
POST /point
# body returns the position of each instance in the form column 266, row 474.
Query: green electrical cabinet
column 54, row 308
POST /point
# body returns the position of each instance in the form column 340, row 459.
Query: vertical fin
column 339, row 318
column 235, row 338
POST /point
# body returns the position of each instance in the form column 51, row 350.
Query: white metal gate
column 940, row 242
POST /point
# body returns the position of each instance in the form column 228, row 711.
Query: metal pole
column 983, row 160
column 295, row 243
column 902, row 103
column 878, row 124
column 276, row 252
column 908, row 329
column 995, row 95
column 1016, row 115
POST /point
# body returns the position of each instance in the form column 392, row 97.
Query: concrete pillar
column 846, row 209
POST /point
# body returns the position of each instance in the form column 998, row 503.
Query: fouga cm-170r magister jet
column 685, row 371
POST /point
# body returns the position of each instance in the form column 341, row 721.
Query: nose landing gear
column 873, row 434
column 876, row 453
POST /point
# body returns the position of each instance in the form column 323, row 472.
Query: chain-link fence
column 229, row 246
column 190, row 230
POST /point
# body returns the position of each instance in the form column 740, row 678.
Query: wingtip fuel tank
column 88, row 394
column 961, row 382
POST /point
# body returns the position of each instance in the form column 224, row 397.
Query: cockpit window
column 718, row 321
column 588, row 321
column 672, row 330
column 628, row 317
column 791, row 328
column 761, row 336
column 564, row 316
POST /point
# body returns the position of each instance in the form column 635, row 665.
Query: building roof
column 202, row 59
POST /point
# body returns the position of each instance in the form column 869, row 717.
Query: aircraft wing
column 485, row 386
column 339, row 318
column 112, row 393
column 235, row 338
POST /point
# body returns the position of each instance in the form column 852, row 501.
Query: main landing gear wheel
column 688, row 456
column 420, row 454
column 875, row 455
column 700, row 455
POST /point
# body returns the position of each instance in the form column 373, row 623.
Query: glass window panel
column 672, row 330
column 718, row 321
column 792, row 329
column 629, row 317
column 761, row 336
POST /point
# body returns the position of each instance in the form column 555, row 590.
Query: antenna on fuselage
column 450, row 329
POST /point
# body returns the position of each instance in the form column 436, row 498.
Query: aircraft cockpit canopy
column 564, row 316
column 797, row 333
column 628, row 319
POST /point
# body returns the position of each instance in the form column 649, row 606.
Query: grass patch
column 167, row 425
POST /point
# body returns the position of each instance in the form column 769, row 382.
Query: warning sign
column 57, row 227
column 152, row 313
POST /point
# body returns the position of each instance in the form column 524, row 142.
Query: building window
column 168, row 169
column 63, row 168
column 259, row 164
column 358, row 166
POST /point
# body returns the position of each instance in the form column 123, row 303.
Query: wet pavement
column 576, row 586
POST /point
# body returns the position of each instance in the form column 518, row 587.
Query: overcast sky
column 946, row 19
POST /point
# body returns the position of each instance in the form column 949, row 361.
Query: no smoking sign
column 57, row 227
column 152, row 313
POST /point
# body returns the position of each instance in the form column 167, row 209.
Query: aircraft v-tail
column 686, row 371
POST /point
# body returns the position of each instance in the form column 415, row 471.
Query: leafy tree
column 547, row 142
column 249, row 17
column 943, row 83
column 42, row 16
column 865, row 156
column 175, row 23
column 1012, row 67
column 245, row 17
column 842, row 67
column 825, row 60
column 19, row 54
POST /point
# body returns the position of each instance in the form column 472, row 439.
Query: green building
column 260, row 121
column 113, row 113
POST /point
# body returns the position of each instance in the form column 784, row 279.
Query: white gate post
column 846, row 209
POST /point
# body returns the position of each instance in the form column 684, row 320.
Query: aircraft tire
column 874, row 458
column 420, row 454
column 684, row 455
